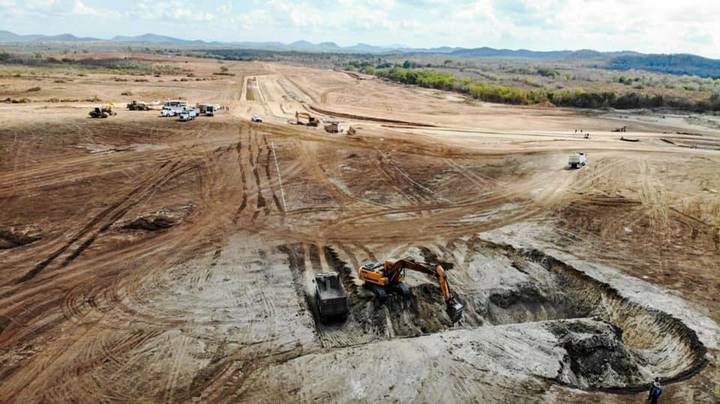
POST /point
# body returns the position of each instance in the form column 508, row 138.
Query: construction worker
column 655, row 391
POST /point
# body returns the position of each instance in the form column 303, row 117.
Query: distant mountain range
column 7, row 36
column 154, row 39
column 623, row 60
column 524, row 53
column 305, row 46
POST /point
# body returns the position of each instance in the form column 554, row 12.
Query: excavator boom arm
column 394, row 272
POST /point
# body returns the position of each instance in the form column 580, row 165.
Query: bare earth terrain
column 144, row 259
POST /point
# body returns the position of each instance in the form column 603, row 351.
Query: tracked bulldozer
column 387, row 277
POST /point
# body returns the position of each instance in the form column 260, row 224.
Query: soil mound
column 158, row 220
column 15, row 236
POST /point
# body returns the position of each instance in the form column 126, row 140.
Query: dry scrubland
column 145, row 259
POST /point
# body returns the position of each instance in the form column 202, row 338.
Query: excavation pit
column 608, row 343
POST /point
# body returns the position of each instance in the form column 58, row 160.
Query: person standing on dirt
column 655, row 391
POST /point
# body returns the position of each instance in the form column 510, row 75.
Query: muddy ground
column 145, row 259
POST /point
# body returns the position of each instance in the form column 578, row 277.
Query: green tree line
column 569, row 97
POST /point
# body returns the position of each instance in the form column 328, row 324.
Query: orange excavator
column 388, row 276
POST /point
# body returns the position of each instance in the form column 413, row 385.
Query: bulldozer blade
column 455, row 311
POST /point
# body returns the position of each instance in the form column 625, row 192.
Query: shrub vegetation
column 566, row 97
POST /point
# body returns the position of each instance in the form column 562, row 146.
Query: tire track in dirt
column 103, row 221
column 107, row 258
column 474, row 178
column 253, row 154
column 280, row 208
column 411, row 196
column 147, row 193
column 310, row 161
column 300, row 88
column 243, row 179
column 448, row 213
column 325, row 94
column 266, row 207
column 175, row 389
column 345, row 199
column 126, row 301
column 177, row 352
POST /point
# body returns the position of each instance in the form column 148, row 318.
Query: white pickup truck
column 577, row 160
column 188, row 114
column 167, row 111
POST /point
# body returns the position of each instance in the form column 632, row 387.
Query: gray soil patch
column 610, row 343
column 596, row 355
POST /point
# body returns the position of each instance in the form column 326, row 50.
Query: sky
column 652, row 26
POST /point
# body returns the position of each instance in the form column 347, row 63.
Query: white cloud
column 80, row 8
column 644, row 25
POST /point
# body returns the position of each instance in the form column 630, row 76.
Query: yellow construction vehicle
column 103, row 111
column 303, row 118
column 138, row 106
column 388, row 276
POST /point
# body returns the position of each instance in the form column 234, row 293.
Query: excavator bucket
column 455, row 310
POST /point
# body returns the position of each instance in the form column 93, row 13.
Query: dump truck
column 330, row 297
column 332, row 126
column 212, row 109
column 387, row 277
column 303, row 118
column 577, row 160
column 209, row 109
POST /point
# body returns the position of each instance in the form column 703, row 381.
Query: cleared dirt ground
column 145, row 259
